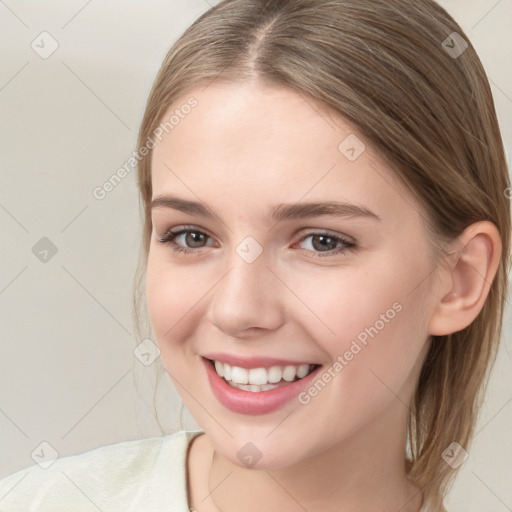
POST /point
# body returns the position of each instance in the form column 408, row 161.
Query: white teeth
column 289, row 373
column 240, row 375
column 259, row 378
column 303, row 370
column 274, row 374
column 219, row 367
column 252, row 387
column 266, row 387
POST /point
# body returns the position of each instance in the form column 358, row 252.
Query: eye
column 193, row 236
column 328, row 244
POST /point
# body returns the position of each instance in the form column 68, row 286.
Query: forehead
column 256, row 145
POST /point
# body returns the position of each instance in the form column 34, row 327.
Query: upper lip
column 252, row 361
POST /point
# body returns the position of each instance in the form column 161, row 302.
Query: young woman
column 325, row 257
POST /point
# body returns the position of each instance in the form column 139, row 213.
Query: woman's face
column 349, row 288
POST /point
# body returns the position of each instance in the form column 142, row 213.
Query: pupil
column 194, row 236
column 332, row 245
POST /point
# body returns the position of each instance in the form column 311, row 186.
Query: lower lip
column 260, row 402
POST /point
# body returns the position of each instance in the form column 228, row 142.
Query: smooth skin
column 242, row 150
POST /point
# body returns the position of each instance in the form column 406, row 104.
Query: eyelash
column 169, row 237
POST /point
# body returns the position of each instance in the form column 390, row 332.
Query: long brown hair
column 419, row 94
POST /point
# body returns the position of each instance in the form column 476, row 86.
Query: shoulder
column 110, row 478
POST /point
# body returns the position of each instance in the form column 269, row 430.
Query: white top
column 146, row 475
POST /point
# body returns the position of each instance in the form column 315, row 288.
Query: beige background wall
column 69, row 121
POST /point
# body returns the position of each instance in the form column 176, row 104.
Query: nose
column 248, row 299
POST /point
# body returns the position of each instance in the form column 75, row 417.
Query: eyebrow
column 279, row 212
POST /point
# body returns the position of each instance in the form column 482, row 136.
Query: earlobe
column 465, row 284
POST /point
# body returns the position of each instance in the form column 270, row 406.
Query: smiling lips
column 250, row 398
column 258, row 373
column 256, row 385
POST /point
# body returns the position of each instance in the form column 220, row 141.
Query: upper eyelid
column 179, row 230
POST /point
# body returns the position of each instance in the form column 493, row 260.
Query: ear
column 465, row 283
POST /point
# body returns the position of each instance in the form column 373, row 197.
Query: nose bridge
column 246, row 297
column 248, row 274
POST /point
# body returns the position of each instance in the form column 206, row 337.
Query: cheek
column 370, row 319
column 173, row 299
column 373, row 354
column 343, row 302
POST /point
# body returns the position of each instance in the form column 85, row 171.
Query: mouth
column 263, row 378
column 264, row 388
